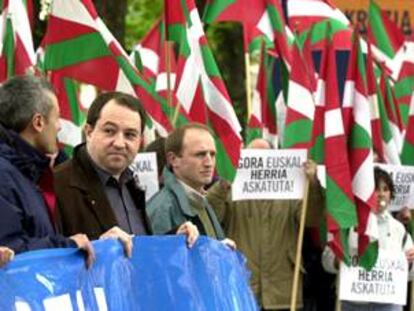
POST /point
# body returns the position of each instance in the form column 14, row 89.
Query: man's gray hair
column 20, row 98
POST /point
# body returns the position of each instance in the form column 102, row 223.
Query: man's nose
column 208, row 159
column 119, row 140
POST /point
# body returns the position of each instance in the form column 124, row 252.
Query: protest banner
column 163, row 275
column 269, row 174
column 403, row 179
column 385, row 283
column 145, row 166
column 401, row 12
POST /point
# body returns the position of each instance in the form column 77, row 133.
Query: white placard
column 385, row 283
column 269, row 174
column 145, row 166
column 403, row 178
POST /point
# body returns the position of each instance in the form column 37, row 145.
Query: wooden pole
column 338, row 306
column 299, row 244
column 176, row 112
column 168, row 50
column 167, row 56
column 248, row 85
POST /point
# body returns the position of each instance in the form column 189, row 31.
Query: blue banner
column 163, row 274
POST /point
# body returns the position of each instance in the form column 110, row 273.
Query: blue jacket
column 24, row 220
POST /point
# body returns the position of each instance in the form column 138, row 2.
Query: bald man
column 260, row 143
column 266, row 232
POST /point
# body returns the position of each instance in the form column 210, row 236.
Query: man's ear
column 38, row 122
column 87, row 129
column 171, row 159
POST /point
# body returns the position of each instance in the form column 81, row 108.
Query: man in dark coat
column 97, row 192
column 29, row 118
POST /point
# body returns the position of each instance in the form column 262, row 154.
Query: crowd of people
column 95, row 195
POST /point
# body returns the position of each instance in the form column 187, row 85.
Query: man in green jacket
column 191, row 158
column 266, row 232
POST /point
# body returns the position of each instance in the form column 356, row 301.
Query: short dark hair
column 21, row 97
column 121, row 99
column 174, row 141
column 380, row 174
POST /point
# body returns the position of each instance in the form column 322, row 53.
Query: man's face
column 47, row 138
column 195, row 165
column 115, row 139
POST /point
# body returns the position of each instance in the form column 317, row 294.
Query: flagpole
column 248, row 85
column 338, row 306
column 168, row 69
column 176, row 111
column 299, row 244
column 167, row 55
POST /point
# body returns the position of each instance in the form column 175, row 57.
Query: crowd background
column 228, row 102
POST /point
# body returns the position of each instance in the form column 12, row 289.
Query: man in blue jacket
column 29, row 122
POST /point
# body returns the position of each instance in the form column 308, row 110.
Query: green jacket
column 266, row 232
column 170, row 207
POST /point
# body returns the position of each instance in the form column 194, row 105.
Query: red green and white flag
column 391, row 153
column 300, row 103
column 261, row 20
column 200, row 89
column 262, row 121
column 404, row 84
column 382, row 32
column 17, row 54
column 382, row 137
column 72, row 111
column 165, row 83
column 392, row 109
column 407, row 153
column 376, row 127
column 167, row 70
column 340, row 206
column 361, row 156
column 146, row 54
column 79, row 46
column 314, row 16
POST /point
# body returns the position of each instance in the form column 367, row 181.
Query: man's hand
column 229, row 243
column 310, row 169
column 85, row 244
column 409, row 254
column 6, row 254
column 122, row 236
column 225, row 184
column 191, row 231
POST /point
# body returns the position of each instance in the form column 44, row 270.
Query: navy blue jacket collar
column 27, row 159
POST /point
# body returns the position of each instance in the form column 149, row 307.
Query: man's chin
column 207, row 180
column 51, row 150
column 117, row 166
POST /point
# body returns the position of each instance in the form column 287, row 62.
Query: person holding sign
column 266, row 232
column 97, row 192
column 191, row 153
column 378, row 289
